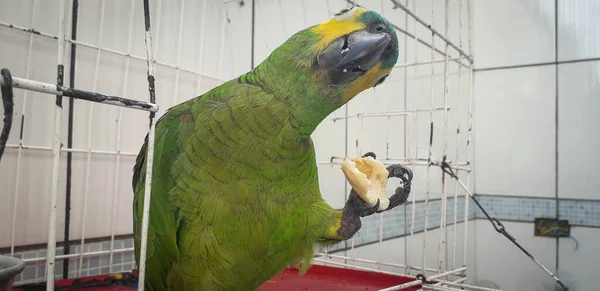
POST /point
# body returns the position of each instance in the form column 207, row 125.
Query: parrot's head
column 324, row 66
column 356, row 50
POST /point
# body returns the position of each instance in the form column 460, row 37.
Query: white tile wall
column 578, row 130
column 578, row 29
column 514, row 131
column 512, row 32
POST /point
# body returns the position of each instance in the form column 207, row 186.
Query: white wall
column 517, row 142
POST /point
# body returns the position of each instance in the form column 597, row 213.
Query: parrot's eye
column 380, row 27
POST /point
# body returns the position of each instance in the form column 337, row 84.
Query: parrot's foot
column 357, row 206
column 369, row 185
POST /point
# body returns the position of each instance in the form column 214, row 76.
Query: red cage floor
column 318, row 278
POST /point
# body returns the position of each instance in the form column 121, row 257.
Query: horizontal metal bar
column 375, row 262
column 373, row 114
column 355, row 267
column 537, row 64
column 80, row 94
column 88, row 254
column 85, row 44
column 433, row 30
column 419, row 282
column 462, row 286
column 439, row 288
column 72, row 150
column 388, row 162
column 425, row 63
column 455, row 166
column 390, row 113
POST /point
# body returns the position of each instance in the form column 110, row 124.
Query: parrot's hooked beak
column 351, row 56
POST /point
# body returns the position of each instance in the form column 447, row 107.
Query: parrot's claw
column 401, row 194
column 402, row 172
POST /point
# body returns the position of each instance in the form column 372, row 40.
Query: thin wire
column 469, row 130
column 179, row 47
column 444, row 200
column 234, row 53
column 283, row 14
column 458, row 127
column 118, row 157
column 407, row 141
column 428, row 182
column 201, row 50
column 221, row 48
column 416, row 141
column 374, row 262
column 19, row 150
column 89, row 137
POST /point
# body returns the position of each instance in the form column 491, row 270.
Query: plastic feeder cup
column 9, row 268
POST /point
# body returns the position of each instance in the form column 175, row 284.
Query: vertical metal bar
column 156, row 36
column 444, row 200
column 89, row 140
column 283, row 14
column 222, row 49
column 179, row 46
column 252, row 34
column 415, row 138
column 458, row 127
column 67, row 243
column 20, row 148
column 407, row 142
column 51, row 249
column 381, row 222
column 234, row 54
column 387, row 146
column 118, row 156
column 469, row 130
column 556, row 140
column 428, row 178
column 150, row 153
column 201, row 50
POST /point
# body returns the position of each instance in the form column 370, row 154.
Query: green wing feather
column 162, row 248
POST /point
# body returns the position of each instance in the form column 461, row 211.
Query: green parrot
column 235, row 191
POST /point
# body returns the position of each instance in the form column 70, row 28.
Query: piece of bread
column 368, row 178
